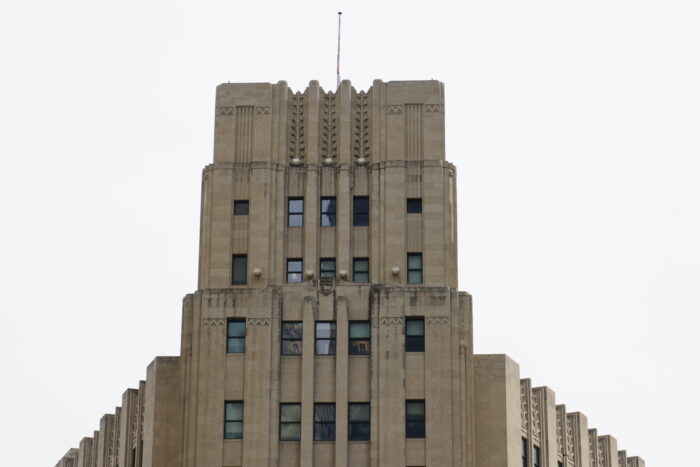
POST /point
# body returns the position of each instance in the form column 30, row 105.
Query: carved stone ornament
column 213, row 322
column 326, row 285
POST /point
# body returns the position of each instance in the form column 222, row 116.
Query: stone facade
column 327, row 328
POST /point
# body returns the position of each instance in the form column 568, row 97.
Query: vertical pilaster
column 307, row 383
column 341, row 383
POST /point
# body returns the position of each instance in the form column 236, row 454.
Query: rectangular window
column 358, row 421
column 360, row 270
column 324, row 422
column 536, row 457
column 325, row 338
column 328, row 212
column 415, row 268
column 240, row 207
column 414, row 205
column 295, row 212
column 415, row 335
column 415, row 419
column 290, row 422
column 360, row 211
column 294, row 267
column 359, row 338
column 561, row 464
column 239, row 274
column 235, row 336
column 233, row 420
column 327, row 267
column 523, row 452
column 291, row 337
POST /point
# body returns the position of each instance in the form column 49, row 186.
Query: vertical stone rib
column 341, row 384
column 244, row 134
column 414, row 132
column 307, row 383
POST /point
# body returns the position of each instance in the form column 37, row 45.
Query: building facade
column 327, row 328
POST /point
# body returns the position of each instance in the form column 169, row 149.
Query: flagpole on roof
column 337, row 70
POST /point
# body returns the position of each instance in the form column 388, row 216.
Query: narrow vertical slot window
column 359, row 338
column 291, row 337
column 415, row 268
column 328, row 212
column 233, row 420
column 358, row 421
column 415, row 335
column 325, row 338
column 360, row 270
column 235, row 336
column 324, row 422
column 239, row 273
column 360, row 211
column 415, row 419
column 290, row 422
column 295, row 212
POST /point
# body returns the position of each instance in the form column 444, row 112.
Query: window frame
column 327, row 272
column 227, row 420
column 295, row 214
column 289, row 423
column 354, row 424
column 319, row 425
column 292, row 339
column 331, row 215
column 300, row 272
column 355, row 272
column 357, row 214
column 353, row 340
column 421, row 421
column 524, row 448
column 332, row 341
column 414, row 205
column 239, row 281
column 238, row 205
column 536, row 456
column 414, row 343
column 409, row 269
column 230, row 338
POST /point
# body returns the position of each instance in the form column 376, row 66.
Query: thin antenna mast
column 337, row 71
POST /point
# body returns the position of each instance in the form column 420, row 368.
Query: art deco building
column 327, row 328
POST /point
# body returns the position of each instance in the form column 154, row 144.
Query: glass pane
column 240, row 208
column 292, row 330
column 358, row 432
column 360, row 204
column 233, row 430
column 414, row 205
column 296, row 206
column 294, row 265
column 415, row 429
column 296, row 220
column 327, row 220
column 240, row 266
column 236, row 328
column 359, row 330
column 234, row 411
column 414, row 327
column 415, row 410
column 324, row 431
column 325, row 347
column 328, row 205
column 294, row 277
column 324, row 412
column 235, row 345
column 359, row 347
column 360, row 219
column 361, row 265
column 328, row 264
column 360, row 277
column 415, row 262
column 415, row 277
column 358, row 413
column 290, row 412
column 415, row 344
column 291, row 347
column 325, row 330
column 290, row 431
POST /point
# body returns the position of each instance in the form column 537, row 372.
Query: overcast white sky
column 573, row 125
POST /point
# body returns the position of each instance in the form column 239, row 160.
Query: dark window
column 523, row 451
column 536, row 457
column 325, row 338
column 360, row 210
column 291, row 337
column 360, row 270
column 415, row 419
column 295, row 212
column 235, row 336
column 415, row 335
column 327, row 267
column 561, row 464
column 290, row 422
column 414, row 205
column 324, row 422
column 415, row 268
column 359, row 338
column 358, row 422
column 233, row 420
column 327, row 212
column 294, row 267
column 240, row 207
column 239, row 275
